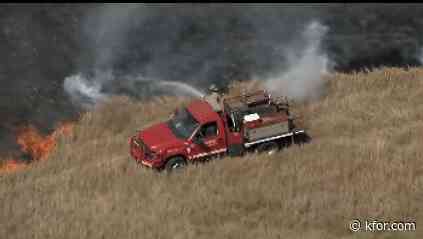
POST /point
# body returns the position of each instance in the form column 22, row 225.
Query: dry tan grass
column 365, row 161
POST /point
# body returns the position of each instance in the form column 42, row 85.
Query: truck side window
column 208, row 130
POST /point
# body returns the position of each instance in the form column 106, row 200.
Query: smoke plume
column 85, row 92
column 302, row 78
column 144, row 50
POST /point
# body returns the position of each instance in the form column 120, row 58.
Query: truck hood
column 159, row 136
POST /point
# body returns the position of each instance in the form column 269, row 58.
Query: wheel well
column 176, row 156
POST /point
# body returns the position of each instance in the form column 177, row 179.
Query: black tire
column 302, row 138
column 269, row 148
column 175, row 163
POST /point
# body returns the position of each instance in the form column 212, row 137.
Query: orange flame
column 11, row 165
column 36, row 145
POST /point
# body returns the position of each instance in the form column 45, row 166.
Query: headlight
column 153, row 155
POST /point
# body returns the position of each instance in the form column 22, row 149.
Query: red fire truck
column 249, row 122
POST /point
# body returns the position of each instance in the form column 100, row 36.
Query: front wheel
column 270, row 148
column 175, row 163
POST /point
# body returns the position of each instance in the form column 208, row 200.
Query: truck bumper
column 149, row 163
column 138, row 155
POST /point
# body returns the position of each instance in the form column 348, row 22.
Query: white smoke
column 302, row 79
column 85, row 92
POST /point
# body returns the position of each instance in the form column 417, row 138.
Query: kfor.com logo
column 357, row 225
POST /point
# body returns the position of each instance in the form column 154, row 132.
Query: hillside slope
column 365, row 161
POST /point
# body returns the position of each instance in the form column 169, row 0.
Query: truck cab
column 193, row 133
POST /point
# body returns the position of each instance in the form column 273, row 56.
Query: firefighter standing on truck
column 214, row 98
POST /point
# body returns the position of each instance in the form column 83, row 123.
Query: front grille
column 146, row 152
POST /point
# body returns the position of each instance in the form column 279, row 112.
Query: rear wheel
column 175, row 163
column 269, row 148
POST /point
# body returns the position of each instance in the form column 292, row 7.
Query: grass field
column 365, row 161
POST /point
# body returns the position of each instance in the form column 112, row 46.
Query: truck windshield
column 183, row 124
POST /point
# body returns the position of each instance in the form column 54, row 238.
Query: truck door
column 209, row 140
column 234, row 135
